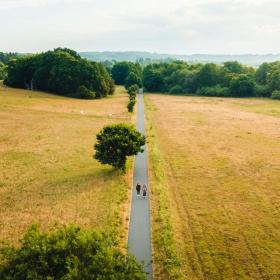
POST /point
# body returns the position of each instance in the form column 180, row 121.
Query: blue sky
column 167, row 26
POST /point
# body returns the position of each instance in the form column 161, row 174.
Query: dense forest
column 231, row 79
column 61, row 71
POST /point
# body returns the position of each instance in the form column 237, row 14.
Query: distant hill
column 249, row 59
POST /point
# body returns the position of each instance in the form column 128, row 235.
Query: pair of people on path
column 144, row 190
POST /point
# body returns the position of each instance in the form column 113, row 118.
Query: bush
column 176, row 89
column 262, row 91
column 85, row 93
column 217, row 91
column 130, row 105
column 133, row 89
column 275, row 94
column 116, row 142
column 67, row 253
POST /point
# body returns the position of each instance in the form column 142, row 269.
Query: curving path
column 139, row 235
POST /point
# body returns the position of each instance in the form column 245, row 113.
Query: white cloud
column 175, row 26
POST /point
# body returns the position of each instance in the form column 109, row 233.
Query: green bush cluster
column 275, row 94
column 231, row 79
column 67, row 253
column 61, row 71
column 132, row 91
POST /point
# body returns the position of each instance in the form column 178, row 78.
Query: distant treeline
column 145, row 58
column 231, row 79
column 61, row 71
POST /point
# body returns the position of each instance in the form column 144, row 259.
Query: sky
column 163, row 26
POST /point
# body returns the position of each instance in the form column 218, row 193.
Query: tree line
column 61, row 71
column 231, row 79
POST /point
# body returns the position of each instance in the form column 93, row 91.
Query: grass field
column 215, row 181
column 47, row 173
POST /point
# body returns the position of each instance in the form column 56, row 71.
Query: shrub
column 116, row 142
column 85, row 93
column 262, row 91
column 217, row 91
column 67, row 253
column 133, row 89
column 130, row 105
column 275, row 94
column 176, row 89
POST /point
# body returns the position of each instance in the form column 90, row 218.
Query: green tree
column 116, row 142
column 152, row 79
column 133, row 79
column 242, row 86
column 61, row 71
column 68, row 253
column 209, row 75
column 121, row 70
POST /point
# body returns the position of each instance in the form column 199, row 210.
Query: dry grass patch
column 47, row 173
column 222, row 175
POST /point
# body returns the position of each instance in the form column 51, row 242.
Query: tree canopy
column 121, row 71
column 67, row 253
column 209, row 79
column 116, row 142
column 61, row 71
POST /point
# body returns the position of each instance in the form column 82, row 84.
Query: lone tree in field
column 116, row 142
column 68, row 253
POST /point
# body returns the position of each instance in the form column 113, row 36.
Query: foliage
column 3, row 71
column 121, row 70
column 85, row 93
column 5, row 58
column 130, row 105
column 61, row 71
column 213, row 91
column 209, row 79
column 116, row 142
column 241, row 86
column 133, row 79
column 68, row 253
column 133, row 89
column 276, row 94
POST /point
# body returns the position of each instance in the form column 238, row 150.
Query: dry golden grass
column 220, row 161
column 47, row 173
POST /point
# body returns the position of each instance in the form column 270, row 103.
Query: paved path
column 139, row 236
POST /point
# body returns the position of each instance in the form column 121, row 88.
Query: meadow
column 47, row 171
column 215, row 183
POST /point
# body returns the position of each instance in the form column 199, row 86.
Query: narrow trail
column 139, row 235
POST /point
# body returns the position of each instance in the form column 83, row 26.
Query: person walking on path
column 138, row 189
column 144, row 191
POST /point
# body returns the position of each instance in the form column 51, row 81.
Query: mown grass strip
column 166, row 260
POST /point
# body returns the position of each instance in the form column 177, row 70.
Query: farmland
column 215, row 182
column 47, row 173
